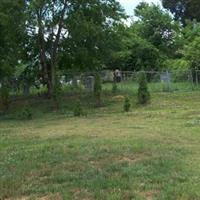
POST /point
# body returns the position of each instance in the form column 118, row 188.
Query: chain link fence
column 127, row 81
column 124, row 81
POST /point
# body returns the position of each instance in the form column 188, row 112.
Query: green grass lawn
column 129, row 86
column 150, row 153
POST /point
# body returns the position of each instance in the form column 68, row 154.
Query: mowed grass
column 150, row 153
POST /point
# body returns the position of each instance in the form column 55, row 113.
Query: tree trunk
column 50, row 71
column 43, row 59
column 53, row 78
column 54, row 49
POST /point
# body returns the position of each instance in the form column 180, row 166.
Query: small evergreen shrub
column 143, row 93
column 26, row 113
column 78, row 110
column 57, row 94
column 97, row 89
column 4, row 97
column 127, row 104
column 114, row 88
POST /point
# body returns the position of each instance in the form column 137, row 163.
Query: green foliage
column 137, row 53
column 57, row 94
column 97, row 89
column 149, row 40
column 26, row 113
column 192, row 51
column 157, row 27
column 143, row 93
column 177, row 64
column 114, row 87
column 78, row 110
column 11, row 35
column 4, row 97
column 179, row 68
column 88, row 43
column 183, row 10
column 127, row 104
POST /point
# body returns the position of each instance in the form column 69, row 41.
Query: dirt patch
column 82, row 194
column 132, row 159
column 20, row 198
column 51, row 197
column 149, row 195
column 118, row 98
column 56, row 196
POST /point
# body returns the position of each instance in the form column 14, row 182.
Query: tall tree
column 157, row 27
column 11, row 31
column 150, row 39
column 183, row 9
column 68, row 30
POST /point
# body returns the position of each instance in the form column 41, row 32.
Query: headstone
column 107, row 76
column 166, row 80
column 165, row 77
column 89, row 83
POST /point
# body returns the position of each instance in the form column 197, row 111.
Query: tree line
column 41, row 40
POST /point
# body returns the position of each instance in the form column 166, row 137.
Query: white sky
column 129, row 5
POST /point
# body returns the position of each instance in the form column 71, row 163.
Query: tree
column 11, row 31
column 157, row 27
column 151, row 39
column 68, row 32
column 137, row 53
column 183, row 9
column 192, row 52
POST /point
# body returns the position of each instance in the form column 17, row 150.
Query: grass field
column 150, row 153
column 129, row 86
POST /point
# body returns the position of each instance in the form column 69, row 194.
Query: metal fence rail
column 127, row 81
column 158, row 81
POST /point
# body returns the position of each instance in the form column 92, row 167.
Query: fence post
column 168, row 81
column 197, row 81
column 192, row 79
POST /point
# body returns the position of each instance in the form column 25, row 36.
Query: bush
column 143, row 93
column 97, row 89
column 114, row 88
column 127, row 104
column 26, row 113
column 57, row 94
column 179, row 68
column 78, row 110
column 5, row 97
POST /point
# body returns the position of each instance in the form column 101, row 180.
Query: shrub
column 114, row 87
column 127, row 104
column 26, row 113
column 179, row 68
column 78, row 110
column 143, row 93
column 57, row 94
column 4, row 94
column 97, row 89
